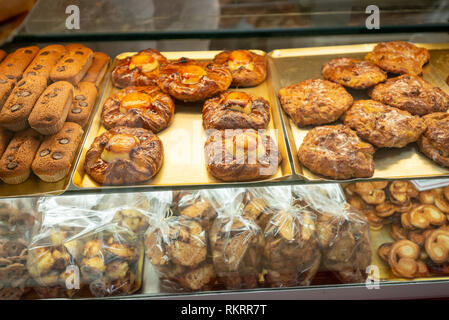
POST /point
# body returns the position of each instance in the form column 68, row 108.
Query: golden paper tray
column 185, row 137
column 289, row 66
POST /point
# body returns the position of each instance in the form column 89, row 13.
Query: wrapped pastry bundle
column 343, row 234
column 195, row 205
column 177, row 247
column 236, row 242
column 291, row 253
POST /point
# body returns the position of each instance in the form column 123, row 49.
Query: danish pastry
column 248, row 69
column 336, row 152
column 236, row 110
column 124, row 155
column 353, row 73
column 190, row 80
column 434, row 142
column 140, row 107
column 241, row 155
column 315, row 101
column 141, row 69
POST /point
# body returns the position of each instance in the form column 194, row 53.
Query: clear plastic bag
column 195, row 205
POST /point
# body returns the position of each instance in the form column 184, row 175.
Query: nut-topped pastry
column 399, row 57
column 190, row 80
column 140, row 107
column 44, row 61
column 352, row 73
column 124, row 155
column 2, row 54
column 314, row 101
column 411, row 93
column 336, row 152
column 15, row 63
column 5, row 137
column 98, row 68
column 384, row 126
column 83, row 101
column 141, row 69
column 236, row 110
column 434, row 142
column 248, row 69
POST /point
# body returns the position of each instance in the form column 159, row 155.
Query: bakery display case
column 225, row 150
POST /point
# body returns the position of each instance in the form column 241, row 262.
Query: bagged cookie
column 195, row 205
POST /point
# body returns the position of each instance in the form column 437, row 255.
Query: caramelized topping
column 135, row 100
column 146, row 62
column 246, row 144
column 191, row 74
column 240, row 58
column 238, row 101
column 119, row 147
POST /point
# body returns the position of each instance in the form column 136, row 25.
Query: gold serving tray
column 183, row 140
column 289, row 66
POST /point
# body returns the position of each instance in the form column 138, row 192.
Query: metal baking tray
column 185, row 136
column 289, row 66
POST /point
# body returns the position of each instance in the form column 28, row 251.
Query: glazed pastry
column 248, row 69
column 57, row 152
column 336, row 152
column 314, row 102
column 15, row 63
column 352, row 73
column 98, row 68
column 74, row 65
column 190, row 80
column 124, row 155
column 44, row 61
column 83, row 102
column 434, row 142
column 412, row 94
column 17, row 108
column 241, row 155
column 51, row 109
column 139, row 107
column 399, row 57
column 141, row 69
column 236, row 110
column 383, row 126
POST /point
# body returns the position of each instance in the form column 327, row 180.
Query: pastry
column 51, row 109
column 248, row 69
column 98, row 68
column 83, row 101
column 57, row 152
column 352, row 73
column 236, row 110
column 15, row 63
column 139, row 107
column 411, row 93
column 314, row 102
column 5, row 137
column 17, row 108
column 6, row 86
column 383, row 126
column 336, row 152
column 434, row 142
column 141, row 69
column 399, row 57
column 2, row 54
column 44, row 61
column 241, row 155
column 15, row 163
column 196, row 206
column 74, row 65
column 124, row 155
column 190, row 80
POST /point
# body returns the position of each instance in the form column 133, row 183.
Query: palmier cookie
column 141, row 69
column 56, row 153
column 83, row 102
column 51, row 109
column 14, row 64
column 352, row 73
column 44, row 61
column 236, row 110
column 15, row 163
column 190, row 80
column 434, row 142
column 315, row 102
column 336, row 152
column 17, row 108
column 139, row 107
column 72, row 67
column 123, row 156
column 98, row 68
column 248, row 69
column 241, row 155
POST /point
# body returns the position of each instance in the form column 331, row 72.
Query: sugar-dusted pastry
column 44, row 61
column 83, row 102
column 15, row 163
column 236, row 110
column 98, row 68
column 56, row 153
column 190, row 80
column 74, row 65
column 15, row 63
column 124, row 155
column 139, row 107
column 434, row 142
column 248, row 69
column 141, row 69
column 51, row 109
